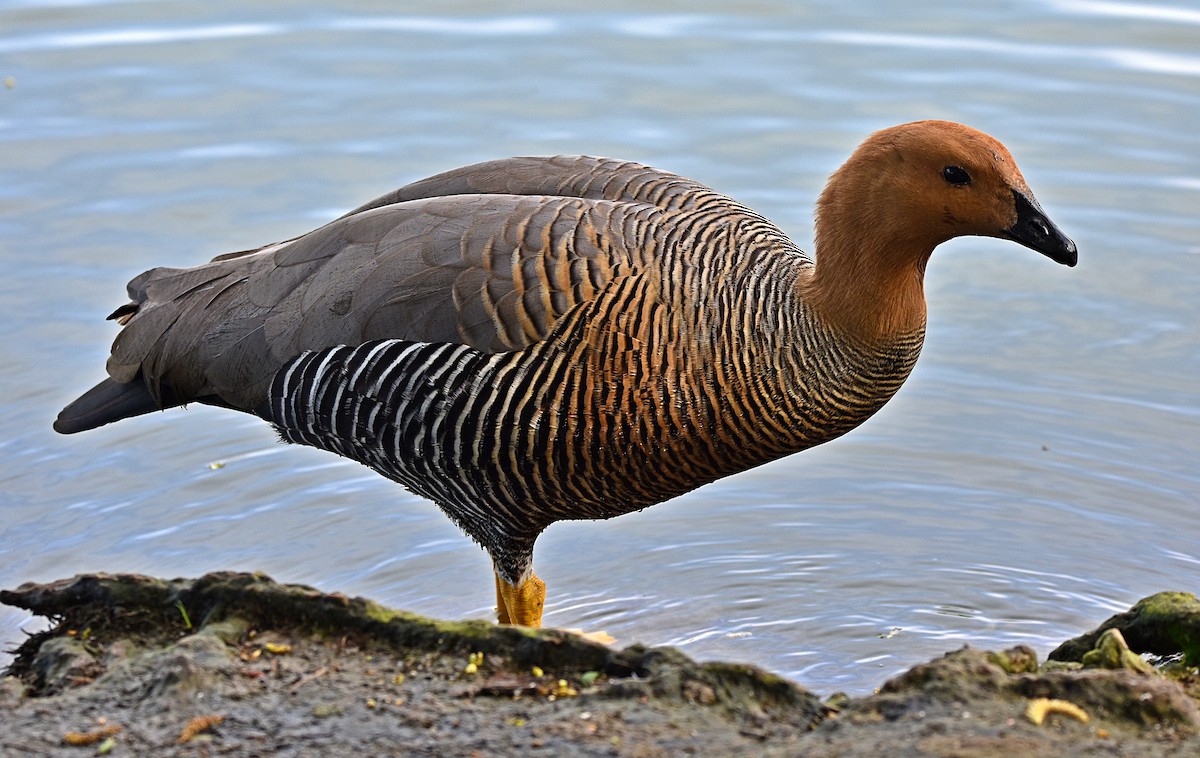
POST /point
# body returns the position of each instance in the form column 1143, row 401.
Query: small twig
column 306, row 679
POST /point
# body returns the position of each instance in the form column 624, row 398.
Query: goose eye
column 956, row 175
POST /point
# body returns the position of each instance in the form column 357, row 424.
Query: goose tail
column 105, row 403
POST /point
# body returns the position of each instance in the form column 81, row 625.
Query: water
column 1038, row 472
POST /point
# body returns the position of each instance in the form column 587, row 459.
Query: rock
column 63, row 662
column 1166, row 624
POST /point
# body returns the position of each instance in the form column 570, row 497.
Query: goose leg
column 521, row 605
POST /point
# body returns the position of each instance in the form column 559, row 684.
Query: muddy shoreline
column 237, row 664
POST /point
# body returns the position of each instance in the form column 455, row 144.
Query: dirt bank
column 235, row 664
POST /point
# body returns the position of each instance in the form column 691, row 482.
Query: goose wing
column 581, row 176
column 489, row 256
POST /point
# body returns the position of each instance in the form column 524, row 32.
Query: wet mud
column 237, row 664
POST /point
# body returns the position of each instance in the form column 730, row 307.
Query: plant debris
column 269, row 668
column 92, row 737
column 198, row 725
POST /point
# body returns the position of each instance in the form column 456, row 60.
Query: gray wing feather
column 581, row 176
column 490, row 256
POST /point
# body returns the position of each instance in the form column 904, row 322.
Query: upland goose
column 529, row 340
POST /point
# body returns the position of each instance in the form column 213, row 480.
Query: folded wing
column 490, row 256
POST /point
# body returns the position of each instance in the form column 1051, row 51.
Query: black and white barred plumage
column 488, row 437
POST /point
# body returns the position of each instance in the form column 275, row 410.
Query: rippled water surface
column 1040, row 470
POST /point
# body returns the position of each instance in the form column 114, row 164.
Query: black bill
column 1037, row 232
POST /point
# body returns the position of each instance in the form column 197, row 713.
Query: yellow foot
column 520, row 606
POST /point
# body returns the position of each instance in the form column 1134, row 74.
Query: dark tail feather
column 105, row 403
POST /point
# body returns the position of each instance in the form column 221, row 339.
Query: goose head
column 903, row 192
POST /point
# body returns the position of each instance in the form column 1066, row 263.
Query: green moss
column 1111, row 652
column 1017, row 660
column 1164, row 624
column 231, row 630
column 1177, row 614
column 380, row 613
